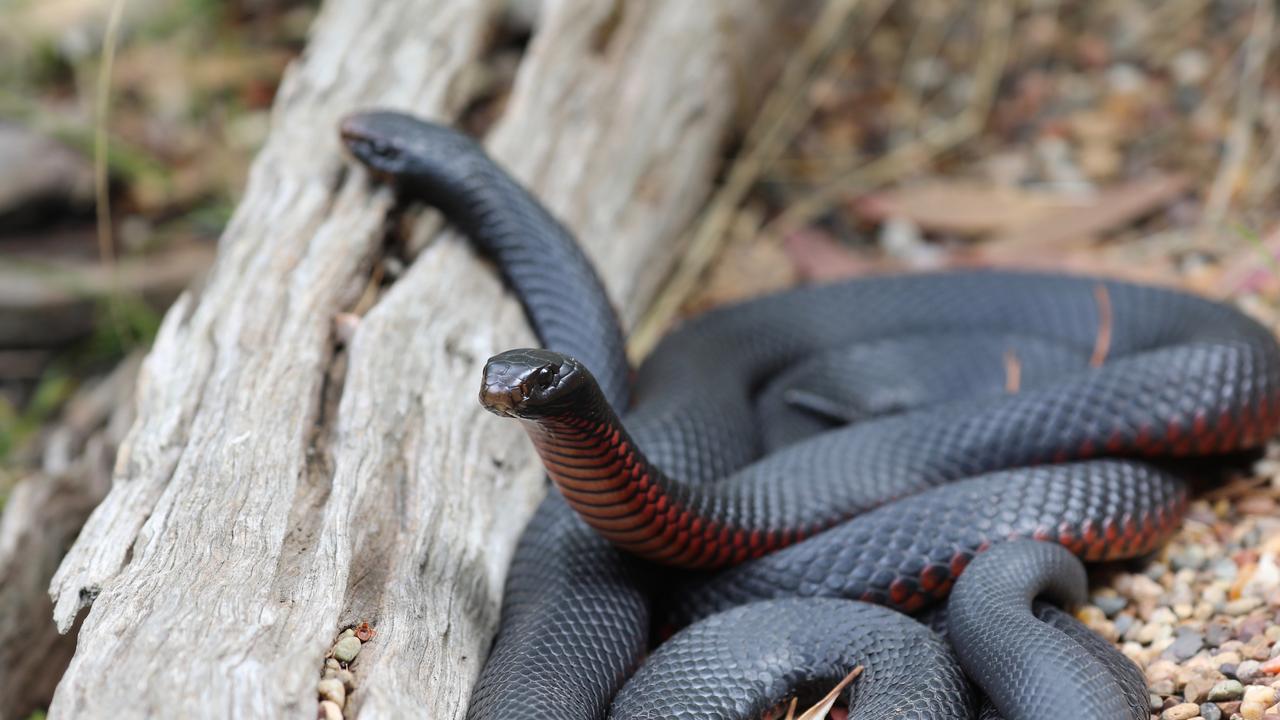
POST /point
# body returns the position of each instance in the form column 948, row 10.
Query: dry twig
column 1239, row 140
column 784, row 112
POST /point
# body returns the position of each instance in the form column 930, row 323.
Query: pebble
column 1209, row 711
column 1144, row 588
column 1217, row 633
column 1198, row 689
column 1225, row 569
column 347, row 648
column 1182, row 711
column 1242, row 606
column 333, row 691
column 1248, row 671
column 1091, row 615
column 1123, row 622
column 1225, row 691
column 1257, row 698
column 1151, row 633
column 1111, row 605
column 1125, row 79
column 1190, row 66
column 1186, row 644
column 1192, row 557
column 330, row 711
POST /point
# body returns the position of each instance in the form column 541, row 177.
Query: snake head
column 401, row 147
column 532, row 383
column 380, row 140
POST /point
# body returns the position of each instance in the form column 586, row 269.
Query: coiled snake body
column 890, row 509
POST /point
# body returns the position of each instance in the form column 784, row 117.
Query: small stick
column 819, row 711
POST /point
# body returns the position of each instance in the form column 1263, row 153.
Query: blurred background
column 1139, row 138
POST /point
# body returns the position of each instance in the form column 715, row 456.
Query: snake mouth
column 501, row 400
column 528, row 383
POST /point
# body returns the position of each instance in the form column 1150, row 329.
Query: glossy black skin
column 576, row 613
column 1036, row 662
column 740, row 663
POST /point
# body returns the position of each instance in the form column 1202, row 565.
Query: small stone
column 1217, row 633
column 1242, row 606
column 1144, row 588
column 1257, row 698
column 333, row 691
column 1155, row 701
column 1197, row 689
column 1272, row 666
column 349, row 632
column 1186, row 644
column 347, row 648
column 1091, row 615
column 348, row 679
column 1248, row 671
column 1190, row 66
column 1225, row 569
column 1202, row 611
column 1125, row 79
column 1193, row 557
column 1251, row 627
column 332, row 664
column 330, row 711
column 1227, row 658
column 1153, row 633
column 1209, row 711
column 1162, row 687
column 1181, row 711
column 1122, row 623
column 1225, row 691
column 1110, row 605
column 1257, row 648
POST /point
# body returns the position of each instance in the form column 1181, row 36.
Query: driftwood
column 308, row 451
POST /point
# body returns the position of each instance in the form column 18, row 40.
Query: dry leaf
column 961, row 207
column 1111, row 209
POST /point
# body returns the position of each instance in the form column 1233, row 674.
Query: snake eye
column 544, row 377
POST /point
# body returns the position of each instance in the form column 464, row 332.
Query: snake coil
column 1035, row 406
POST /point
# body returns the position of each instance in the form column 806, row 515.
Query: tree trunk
column 308, row 451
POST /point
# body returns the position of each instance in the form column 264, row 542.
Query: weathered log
column 286, row 479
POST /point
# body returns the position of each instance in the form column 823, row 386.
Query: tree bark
column 308, row 451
